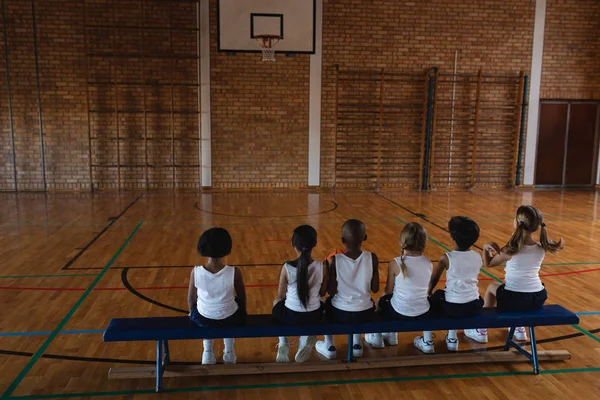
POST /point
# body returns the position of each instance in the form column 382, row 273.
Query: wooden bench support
column 172, row 371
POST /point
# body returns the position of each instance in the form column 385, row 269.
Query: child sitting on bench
column 212, row 292
column 406, row 288
column 302, row 282
column 523, row 255
column 353, row 275
column 462, row 266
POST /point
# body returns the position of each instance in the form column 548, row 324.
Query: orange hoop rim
column 267, row 41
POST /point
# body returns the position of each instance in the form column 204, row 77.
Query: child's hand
column 491, row 248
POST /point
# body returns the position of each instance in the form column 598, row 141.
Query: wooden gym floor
column 71, row 262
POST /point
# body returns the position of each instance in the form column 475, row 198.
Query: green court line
column 589, row 334
column 448, row 249
column 36, row 356
column 310, row 383
column 42, row 276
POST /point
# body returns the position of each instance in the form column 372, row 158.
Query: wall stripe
column 314, row 107
column 534, row 92
column 204, row 71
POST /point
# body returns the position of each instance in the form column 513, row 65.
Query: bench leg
column 350, row 345
column 159, row 365
column 166, row 356
column 511, row 334
column 534, row 357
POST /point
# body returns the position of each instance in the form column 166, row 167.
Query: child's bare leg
column 490, row 294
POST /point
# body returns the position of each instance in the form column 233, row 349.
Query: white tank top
column 461, row 276
column 216, row 292
column 353, row 282
column 523, row 270
column 315, row 279
column 410, row 294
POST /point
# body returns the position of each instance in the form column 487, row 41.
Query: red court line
column 258, row 285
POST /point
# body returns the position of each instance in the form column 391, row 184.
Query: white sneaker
column 357, row 350
column 329, row 353
column 208, row 358
column 452, row 343
column 478, row 335
column 520, row 334
column 229, row 357
column 305, row 348
column 375, row 340
column 391, row 338
column 283, row 353
column 425, row 347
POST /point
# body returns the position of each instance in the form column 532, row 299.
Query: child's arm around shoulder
column 493, row 255
column 192, row 293
column 439, row 269
column 375, row 277
column 393, row 271
column 323, row 290
column 240, row 289
column 331, row 278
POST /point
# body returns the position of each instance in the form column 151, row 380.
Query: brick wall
column 259, row 110
column 410, row 37
column 259, row 118
column 571, row 61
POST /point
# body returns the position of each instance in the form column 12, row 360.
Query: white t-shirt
column 410, row 294
column 523, row 270
column 216, row 292
column 315, row 279
column 353, row 282
column 461, row 276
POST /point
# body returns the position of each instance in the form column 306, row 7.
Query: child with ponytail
column 522, row 288
column 302, row 282
column 407, row 288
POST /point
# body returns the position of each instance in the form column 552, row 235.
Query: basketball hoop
column 266, row 43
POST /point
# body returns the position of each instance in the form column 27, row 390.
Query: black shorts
column 285, row 316
column 517, row 301
column 440, row 307
column 238, row 318
column 348, row 317
column 385, row 306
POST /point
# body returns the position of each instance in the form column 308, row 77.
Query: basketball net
column 266, row 43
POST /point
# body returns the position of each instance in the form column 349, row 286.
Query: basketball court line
column 335, row 207
column 112, row 220
column 36, row 356
column 310, row 383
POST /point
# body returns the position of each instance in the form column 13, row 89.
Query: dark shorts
column 348, row 317
column 518, row 301
column 440, row 307
column 385, row 306
column 285, row 316
column 238, row 318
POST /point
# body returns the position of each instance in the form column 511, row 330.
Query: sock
column 229, row 345
column 356, row 340
column 208, row 345
column 283, row 341
column 452, row 334
column 329, row 341
column 428, row 336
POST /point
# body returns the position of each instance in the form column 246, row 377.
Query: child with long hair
column 407, row 288
column 353, row 275
column 302, row 282
column 212, row 292
column 522, row 288
column 461, row 297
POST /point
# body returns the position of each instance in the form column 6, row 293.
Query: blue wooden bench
column 163, row 329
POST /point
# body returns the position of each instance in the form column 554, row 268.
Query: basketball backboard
column 239, row 21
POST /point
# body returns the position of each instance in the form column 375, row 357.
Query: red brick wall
column 259, row 110
column 571, row 61
column 410, row 37
column 259, row 114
